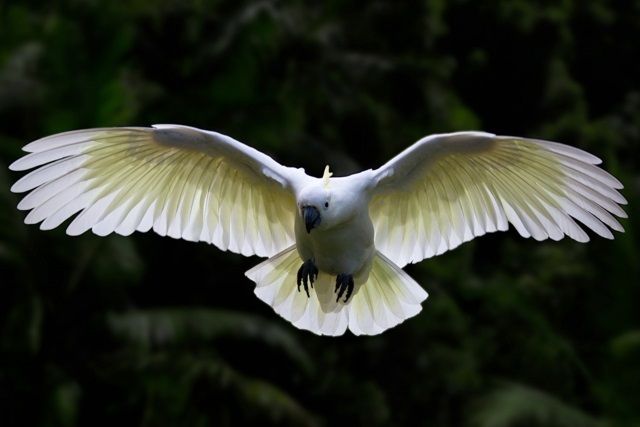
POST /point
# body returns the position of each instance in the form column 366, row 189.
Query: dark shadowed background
column 151, row 331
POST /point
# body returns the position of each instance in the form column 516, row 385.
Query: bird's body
column 345, row 242
column 335, row 245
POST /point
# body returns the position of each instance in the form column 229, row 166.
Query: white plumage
column 357, row 232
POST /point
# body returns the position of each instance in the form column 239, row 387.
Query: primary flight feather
column 335, row 245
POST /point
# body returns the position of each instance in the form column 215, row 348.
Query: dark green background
column 151, row 331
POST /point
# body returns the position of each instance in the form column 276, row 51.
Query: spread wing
column 179, row 181
column 447, row 189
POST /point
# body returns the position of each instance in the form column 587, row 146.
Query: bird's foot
column 344, row 282
column 306, row 275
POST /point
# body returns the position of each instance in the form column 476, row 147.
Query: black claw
column 307, row 273
column 344, row 282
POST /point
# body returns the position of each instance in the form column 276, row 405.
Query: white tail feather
column 386, row 299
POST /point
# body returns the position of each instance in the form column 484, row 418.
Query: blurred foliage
column 151, row 331
column 511, row 405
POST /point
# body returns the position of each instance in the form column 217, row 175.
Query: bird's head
column 319, row 204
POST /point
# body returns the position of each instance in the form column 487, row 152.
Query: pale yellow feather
column 387, row 298
column 178, row 181
column 470, row 183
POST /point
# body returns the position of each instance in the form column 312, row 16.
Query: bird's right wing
column 179, row 181
column 446, row 189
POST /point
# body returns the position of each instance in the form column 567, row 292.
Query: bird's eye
column 326, row 204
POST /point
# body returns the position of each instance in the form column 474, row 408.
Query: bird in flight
column 335, row 246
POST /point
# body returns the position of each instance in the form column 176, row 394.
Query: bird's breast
column 348, row 248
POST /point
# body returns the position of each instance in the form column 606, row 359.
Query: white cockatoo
column 335, row 245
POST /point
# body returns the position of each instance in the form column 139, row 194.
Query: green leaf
column 516, row 404
column 174, row 326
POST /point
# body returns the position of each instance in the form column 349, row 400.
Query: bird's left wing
column 447, row 189
column 179, row 181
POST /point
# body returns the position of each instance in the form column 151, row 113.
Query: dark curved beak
column 311, row 217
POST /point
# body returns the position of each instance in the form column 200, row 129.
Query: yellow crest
column 326, row 176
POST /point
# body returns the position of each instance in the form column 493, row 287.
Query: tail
column 386, row 299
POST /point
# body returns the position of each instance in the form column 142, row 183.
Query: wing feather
column 179, row 181
column 447, row 189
